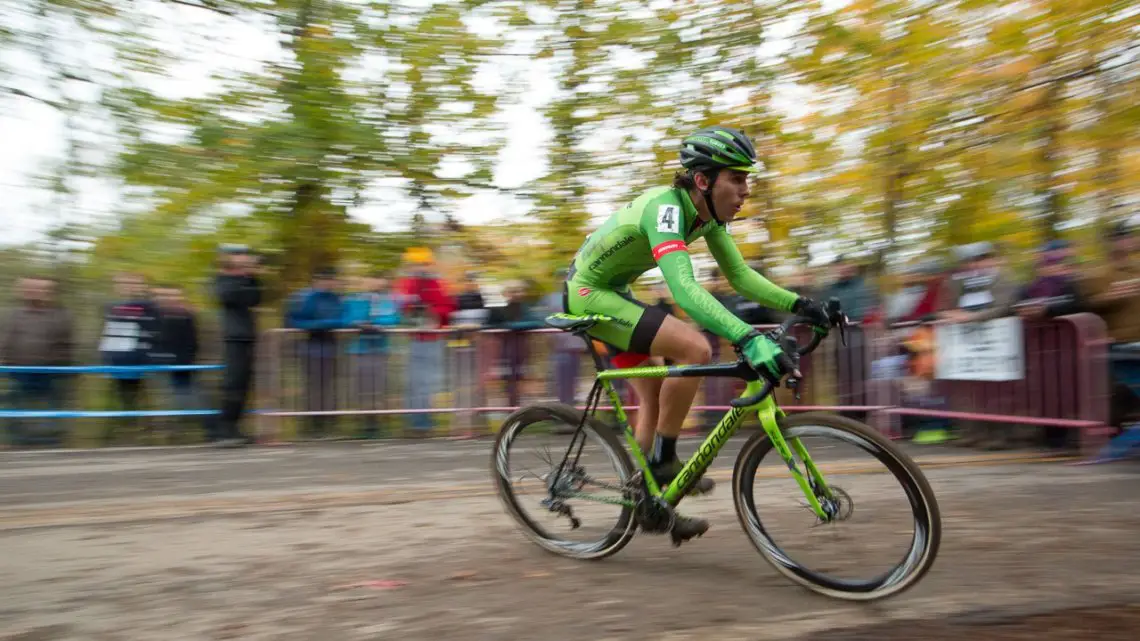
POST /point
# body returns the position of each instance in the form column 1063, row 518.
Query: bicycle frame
column 767, row 410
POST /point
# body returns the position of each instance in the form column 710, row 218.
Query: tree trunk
column 895, row 162
column 1048, row 187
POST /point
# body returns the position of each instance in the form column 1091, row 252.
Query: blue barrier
column 105, row 369
column 104, row 414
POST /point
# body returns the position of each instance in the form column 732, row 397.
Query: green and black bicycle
column 597, row 499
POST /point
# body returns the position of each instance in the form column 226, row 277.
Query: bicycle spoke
column 578, row 515
column 872, row 556
column 548, row 459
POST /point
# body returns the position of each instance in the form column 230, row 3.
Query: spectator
column 518, row 315
column 426, row 306
column 471, row 299
column 177, row 344
column 371, row 311
column 805, row 282
column 981, row 290
column 319, row 310
column 38, row 333
column 1118, row 302
column 918, row 300
column 920, row 296
column 239, row 291
column 471, row 315
column 566, row 348
column 1055, row 291
column 129, row 331
column 855, row 294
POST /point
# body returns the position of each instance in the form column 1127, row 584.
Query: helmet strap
column 707, row 193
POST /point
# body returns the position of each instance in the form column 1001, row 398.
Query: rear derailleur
column 561, row 509
column 565, row 482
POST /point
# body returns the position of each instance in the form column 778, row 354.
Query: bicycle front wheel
column 575, row 505
column 883, row 530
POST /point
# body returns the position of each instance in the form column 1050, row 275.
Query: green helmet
column 718, row 148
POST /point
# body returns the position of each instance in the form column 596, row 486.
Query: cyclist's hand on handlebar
column 768, row 358
column 812, row 310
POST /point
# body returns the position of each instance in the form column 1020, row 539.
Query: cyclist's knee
column 696, row 352
column 682, row 344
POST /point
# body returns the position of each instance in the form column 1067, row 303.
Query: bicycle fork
column 813, row 484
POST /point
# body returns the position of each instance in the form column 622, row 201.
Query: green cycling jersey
column 656, row 229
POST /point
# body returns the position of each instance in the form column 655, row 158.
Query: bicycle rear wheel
column 536, row 488
column 852, row 537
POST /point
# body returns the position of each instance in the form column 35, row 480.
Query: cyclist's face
column 729, row 193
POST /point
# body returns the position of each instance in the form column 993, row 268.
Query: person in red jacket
column 425, row 304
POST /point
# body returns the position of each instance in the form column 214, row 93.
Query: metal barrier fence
column 1065, row 385
column 460, row 383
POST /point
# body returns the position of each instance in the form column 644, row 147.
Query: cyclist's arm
column 672, row 256
column 745, row 280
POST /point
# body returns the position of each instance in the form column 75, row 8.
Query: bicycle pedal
column 678, row 540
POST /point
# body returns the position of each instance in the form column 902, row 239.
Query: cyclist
column 655, row 229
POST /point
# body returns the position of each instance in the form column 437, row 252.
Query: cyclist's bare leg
column 648, row 397
column 685, row 346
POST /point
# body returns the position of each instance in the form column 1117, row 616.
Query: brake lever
column 838, row 318
column 793, row 384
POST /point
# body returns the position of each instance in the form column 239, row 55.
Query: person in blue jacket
column 371, row 311
column 318, row 310
column 518, row 315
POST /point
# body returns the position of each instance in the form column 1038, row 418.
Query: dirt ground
column 1115, row 622
column 1024, row 546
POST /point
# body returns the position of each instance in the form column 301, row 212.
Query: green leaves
column 877, row 121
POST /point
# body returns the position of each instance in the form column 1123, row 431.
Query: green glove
column 763, row 354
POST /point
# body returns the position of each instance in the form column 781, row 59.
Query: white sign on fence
column 987, row 351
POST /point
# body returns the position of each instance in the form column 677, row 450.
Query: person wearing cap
column 319, row 310
column 1117, row 301
column 239, row 291
column 1055, row 291
column 1118, row 285
column 426, row 305
column 980, row 290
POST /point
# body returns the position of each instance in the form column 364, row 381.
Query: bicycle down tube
column 700, row 461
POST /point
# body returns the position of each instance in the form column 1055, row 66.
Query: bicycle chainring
column 653, row 515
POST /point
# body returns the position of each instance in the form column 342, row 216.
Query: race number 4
column 669, row 219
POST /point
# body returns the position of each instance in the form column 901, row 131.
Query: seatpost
column 599, row 362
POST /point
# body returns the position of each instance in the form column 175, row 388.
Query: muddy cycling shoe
column 664, row 473
column 687, row 527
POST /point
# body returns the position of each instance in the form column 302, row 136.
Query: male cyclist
column 656, row 229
